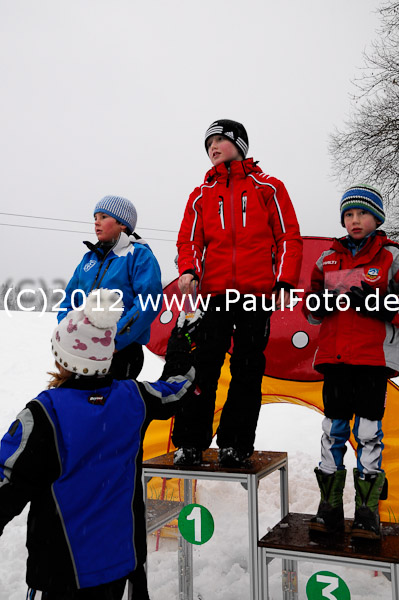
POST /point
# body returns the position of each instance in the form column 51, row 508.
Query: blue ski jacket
column 130, row 267
column 72, row 454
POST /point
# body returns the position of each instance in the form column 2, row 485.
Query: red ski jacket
column 348, row 336
column 240, row 231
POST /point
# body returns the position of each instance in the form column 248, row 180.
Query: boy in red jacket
column 239, row 236
column 357, row 353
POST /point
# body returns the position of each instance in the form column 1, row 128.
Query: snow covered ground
column 220, row 565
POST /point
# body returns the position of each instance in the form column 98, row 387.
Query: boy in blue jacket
column 120, row 260
column 74, row 454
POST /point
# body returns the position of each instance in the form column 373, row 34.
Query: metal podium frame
column 341, row 551
column 259, row 466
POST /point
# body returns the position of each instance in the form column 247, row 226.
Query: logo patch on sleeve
column 373, row 274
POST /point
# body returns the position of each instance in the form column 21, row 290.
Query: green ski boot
column 366, row 523
column 330, row 514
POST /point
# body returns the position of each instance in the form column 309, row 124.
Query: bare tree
column 367, row 149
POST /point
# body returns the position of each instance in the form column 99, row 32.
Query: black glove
column 181, row 343
column 184, row 333
column 327, row 304
column 375, row 306
column 393, row 288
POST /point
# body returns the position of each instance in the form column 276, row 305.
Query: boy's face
column 221, row 150
column 107, row 228
column 359, row 223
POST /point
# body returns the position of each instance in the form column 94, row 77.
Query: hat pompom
column 103, row 308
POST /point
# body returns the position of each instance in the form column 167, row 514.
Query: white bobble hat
column 84, row 341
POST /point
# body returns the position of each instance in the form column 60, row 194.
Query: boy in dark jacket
column 239, row 236
column 357, row 353
column 73, row 453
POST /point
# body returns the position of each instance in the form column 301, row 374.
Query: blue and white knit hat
column 363, row 196
column 233, row 131
column 121, row 209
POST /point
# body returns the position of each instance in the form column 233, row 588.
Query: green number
column 327, row 585
column 196, row 524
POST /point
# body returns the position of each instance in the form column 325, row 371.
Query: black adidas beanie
column 233, row 131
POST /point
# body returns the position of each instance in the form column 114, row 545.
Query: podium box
column 292, row 540
column 257, row 467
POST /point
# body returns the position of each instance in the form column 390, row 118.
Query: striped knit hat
column 233, row 131
column 366, row 197
column 121, row 209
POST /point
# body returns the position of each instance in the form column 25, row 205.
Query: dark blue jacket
column 72, row 453
column 129, row 267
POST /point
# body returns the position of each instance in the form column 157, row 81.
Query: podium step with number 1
column 256, row 468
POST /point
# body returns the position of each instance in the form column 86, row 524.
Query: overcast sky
column 114, row 96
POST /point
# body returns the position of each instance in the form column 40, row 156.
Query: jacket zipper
column 273, row 260
column 103, row 275
column 233, row 233
column 244, row 208
column 99, row 271
column 221, row 211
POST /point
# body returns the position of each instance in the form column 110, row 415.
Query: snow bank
column 220, row 565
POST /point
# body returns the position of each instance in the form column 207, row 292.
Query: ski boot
column 231, row 457
column 330, row 514
column 366, row 523
column 187, row 457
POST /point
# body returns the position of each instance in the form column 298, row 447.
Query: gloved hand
column 393, row 288
column 326, row 302
column 185, row 332
column 375, row 306
column 181, row 344
column 179, row 357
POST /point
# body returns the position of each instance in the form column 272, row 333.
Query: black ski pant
column 250, row 331
column 138, row 577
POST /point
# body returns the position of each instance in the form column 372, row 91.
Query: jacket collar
column 370, row 248
column 102, row 249
column 88, row 383
column 237, row 169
